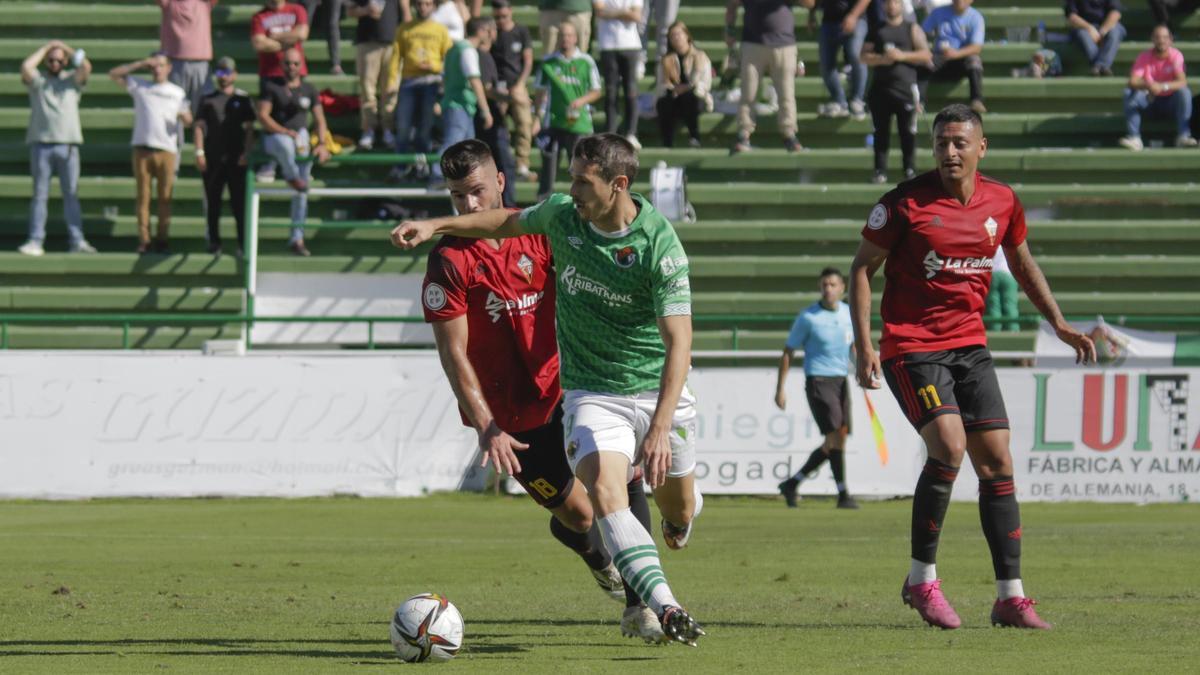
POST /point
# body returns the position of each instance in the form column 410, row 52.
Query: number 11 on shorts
column 929, row 397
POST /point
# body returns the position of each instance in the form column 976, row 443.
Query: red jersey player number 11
column 935, row 237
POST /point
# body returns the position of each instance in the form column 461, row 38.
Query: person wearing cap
column 159, row 107
column 54, row 136
column 224, row 132
column 185, row 36
column 283, row 110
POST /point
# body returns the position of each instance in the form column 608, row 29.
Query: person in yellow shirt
column 418, row 54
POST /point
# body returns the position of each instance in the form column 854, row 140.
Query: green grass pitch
column 263, row 585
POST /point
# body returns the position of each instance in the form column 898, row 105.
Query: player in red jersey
column 938, row 233
column 491, row 306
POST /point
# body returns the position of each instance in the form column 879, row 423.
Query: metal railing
column 736, row 324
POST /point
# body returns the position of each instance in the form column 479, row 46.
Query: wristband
column 199, row 153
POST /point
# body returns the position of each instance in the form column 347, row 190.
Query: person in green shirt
column 623, row 307
column 463, row 89
column 567, row 83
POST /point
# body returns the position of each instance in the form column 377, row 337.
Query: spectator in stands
column 1162, row 9
column 464, row 96
column 159, row 109
column 274, row 29
column 567, row 85
column 768, row 49
column 843, row 26
column 496, row 135
column 224, row 134
column 283, row 109
column 377, row 21
column 620, row 53
column 452, row 14
column 551, row 15
column 333, row 32
column 1096, row 26
column 186, row 38
column 895, row 49
column 418, row 54
column 684, row 82
column 664, row 13
column 1158, row 87
column 54, row 136
column 956, row 37
column 513, row 52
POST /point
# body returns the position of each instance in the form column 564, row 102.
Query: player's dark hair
column 610, row 153
column 957, row 112
column 832, row 272
column 463, row 157
column 478, row 23
column 501, row 4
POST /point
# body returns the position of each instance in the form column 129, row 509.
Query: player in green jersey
column 624, row 334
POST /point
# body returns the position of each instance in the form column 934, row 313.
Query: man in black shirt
column 768, row 44
column 1096, row 26
column 496, row 134
column 377, row 21
column 224, row 131
column 283, row 110
column 513, row 54
column 895, row 48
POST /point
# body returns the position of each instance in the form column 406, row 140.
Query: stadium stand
column 1115, row 231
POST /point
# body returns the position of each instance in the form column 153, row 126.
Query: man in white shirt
column 160, row 108
column 620, row 53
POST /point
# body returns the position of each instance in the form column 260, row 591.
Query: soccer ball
column 427, row 627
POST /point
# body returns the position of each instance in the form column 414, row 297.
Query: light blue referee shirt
column 825, row 336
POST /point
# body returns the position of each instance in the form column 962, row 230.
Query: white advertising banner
column 364, row 295
column 1078, row 434
column 272, row 424
column 296, row 424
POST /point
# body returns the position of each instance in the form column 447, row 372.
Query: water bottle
column 870, row 141
column 1041, row 32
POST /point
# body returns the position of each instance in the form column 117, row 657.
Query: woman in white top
column 453, row 15
column 620, row 51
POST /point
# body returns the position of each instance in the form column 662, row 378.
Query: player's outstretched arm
column 494, row 223
column 494, row 443
column 676, row 332
column 867, row 260
column 1033, row 282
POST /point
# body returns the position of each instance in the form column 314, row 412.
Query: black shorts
column 829, row 401
column 545, row 474
column 952, row 382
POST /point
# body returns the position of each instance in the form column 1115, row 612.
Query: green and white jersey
column 611, row 289
column 566, row 80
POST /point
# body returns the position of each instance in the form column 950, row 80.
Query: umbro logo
column 575, row 241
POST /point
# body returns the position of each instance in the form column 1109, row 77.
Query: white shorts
column 595, row 422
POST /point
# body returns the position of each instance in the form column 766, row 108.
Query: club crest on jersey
column 526, row 267
column 434, row 297
column 991, row 226
column 878, row 217
column 625, row 257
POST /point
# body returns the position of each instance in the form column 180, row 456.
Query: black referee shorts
column 829, row 401
column 952, row 382
column 545, row 473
